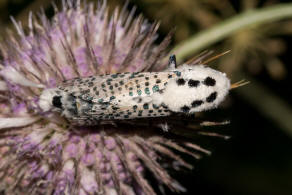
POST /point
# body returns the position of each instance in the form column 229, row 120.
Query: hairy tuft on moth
column 186, row 89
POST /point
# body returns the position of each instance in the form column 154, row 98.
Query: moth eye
column 57, row 101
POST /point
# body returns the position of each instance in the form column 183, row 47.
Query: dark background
column 257, row 159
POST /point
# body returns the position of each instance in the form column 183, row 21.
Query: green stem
column 220, row 31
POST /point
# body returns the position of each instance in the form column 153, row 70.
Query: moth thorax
column 198, row 88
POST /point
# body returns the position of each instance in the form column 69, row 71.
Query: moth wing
column 122, row 93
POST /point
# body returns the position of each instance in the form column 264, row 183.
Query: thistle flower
column 41, row 153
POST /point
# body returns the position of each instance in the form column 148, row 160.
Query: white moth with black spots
column 88, row 101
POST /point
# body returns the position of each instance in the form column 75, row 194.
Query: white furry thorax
column 199, row 88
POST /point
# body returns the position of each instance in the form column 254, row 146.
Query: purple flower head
column 42, row 153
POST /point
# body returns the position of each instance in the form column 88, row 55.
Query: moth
column 184, row 89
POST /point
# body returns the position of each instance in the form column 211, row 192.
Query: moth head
column 51, row 99
column 196, row 88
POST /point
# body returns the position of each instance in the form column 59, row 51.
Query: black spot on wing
column 90, row 84
column 145, row 106
column 211, row 97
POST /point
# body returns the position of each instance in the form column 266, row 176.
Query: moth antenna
column 172, row 62
column 215, row 57
column 239, row 84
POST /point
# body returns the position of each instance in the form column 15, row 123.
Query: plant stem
column 220, row 31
